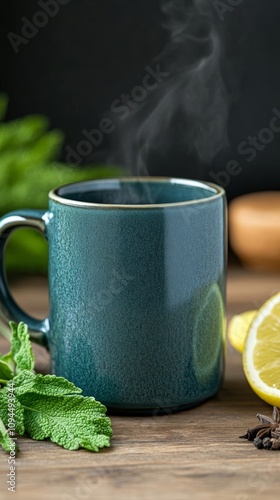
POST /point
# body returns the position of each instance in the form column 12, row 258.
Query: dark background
column 92, row 51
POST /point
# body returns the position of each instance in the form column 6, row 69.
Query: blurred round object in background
column 254, row 229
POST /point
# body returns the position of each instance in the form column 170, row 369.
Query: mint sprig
column 46, row 406
column 21, row 349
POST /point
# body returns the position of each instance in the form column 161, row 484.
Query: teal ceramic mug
column 137, row 290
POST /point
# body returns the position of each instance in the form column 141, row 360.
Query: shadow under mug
column 137, row 290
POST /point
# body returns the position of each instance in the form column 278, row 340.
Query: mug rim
column 217, row 191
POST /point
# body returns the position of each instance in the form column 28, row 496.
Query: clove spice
column 267, row 433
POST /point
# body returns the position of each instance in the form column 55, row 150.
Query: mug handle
column 9, row 310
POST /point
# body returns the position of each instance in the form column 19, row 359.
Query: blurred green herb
column 28, row 171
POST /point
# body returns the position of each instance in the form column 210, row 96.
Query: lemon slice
column 261, row 356
column 238, row 328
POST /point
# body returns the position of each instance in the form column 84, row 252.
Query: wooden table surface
column 193, row 454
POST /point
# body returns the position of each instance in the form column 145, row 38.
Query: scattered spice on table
column 267, row 433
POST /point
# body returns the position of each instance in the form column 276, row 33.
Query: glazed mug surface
column 136, row 287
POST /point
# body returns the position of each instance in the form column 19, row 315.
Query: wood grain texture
column 195, row 454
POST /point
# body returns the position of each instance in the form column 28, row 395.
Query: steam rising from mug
column 189, row 109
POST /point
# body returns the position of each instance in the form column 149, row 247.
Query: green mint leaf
column 6, row 373
column 71, row 421
column 46, row 406
column 21, row 347
column 11, row 410
column 9, row 360
column 5, row 441
column 48, row 385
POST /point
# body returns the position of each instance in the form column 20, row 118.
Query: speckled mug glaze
column 137, row 290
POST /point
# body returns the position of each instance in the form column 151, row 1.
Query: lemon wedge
column 261, row 355
column 238, row 328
